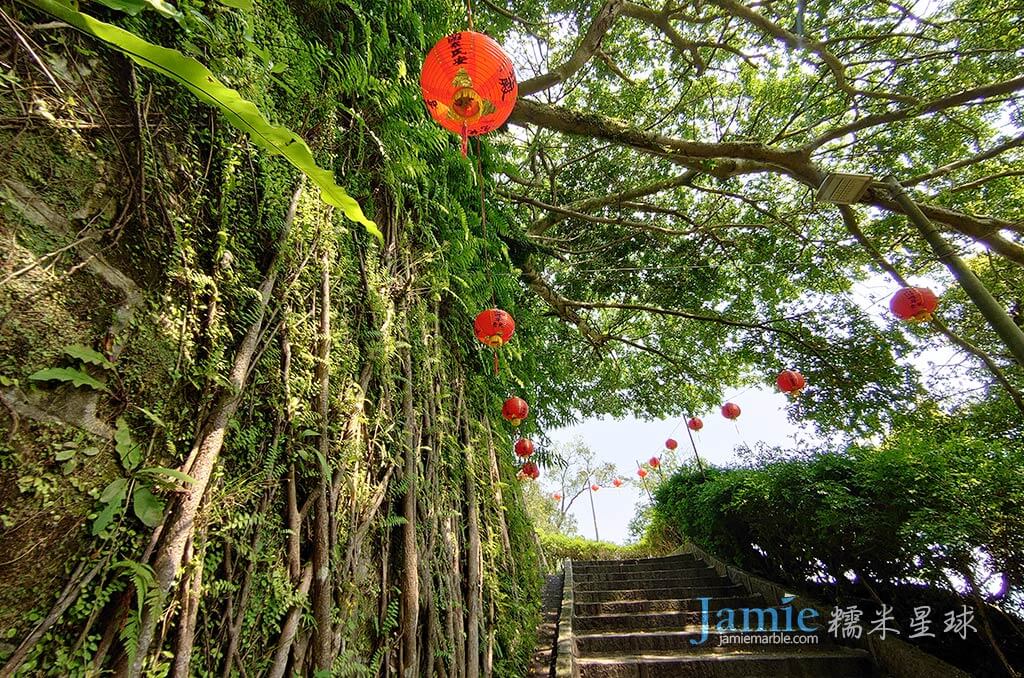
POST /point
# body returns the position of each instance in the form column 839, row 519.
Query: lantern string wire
column 486, row 245
column 483, row 222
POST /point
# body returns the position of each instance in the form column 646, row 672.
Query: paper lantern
column 791, row 382
column 617, row 482
column 914, row 304
column 524, row 447
column 468, row 84
column 530, row 470
column 731, row 411
column 595, row 487
column 557, row 496
column 642, row 472
column 515, row 410
column 494, row 327
column 671, row 444
column 695, row 424
column 654, row 462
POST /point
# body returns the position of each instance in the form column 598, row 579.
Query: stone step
column 716, row 588
column 833, row 664
column 652, row 585
column 643, row 621
column 665, row 605
column 678, row 643
column 643, row 576
column 667, row 563
column 673, row 620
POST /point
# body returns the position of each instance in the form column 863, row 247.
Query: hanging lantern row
column 914, row 304
column 468, row 84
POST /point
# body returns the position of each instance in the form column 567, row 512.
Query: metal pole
column 989, row 307
column 695, row 455
column 592, row 511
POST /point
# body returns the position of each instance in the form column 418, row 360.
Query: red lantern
column 654, row 462
column 642, row 472
column 494, row 327
column 617, row 482
column 530, row 470
column 695, row 424
column 515, row 410
column 595, row 487
column 791, row 382
column 524, row 447
column 914, row 304
column 731, row 411
column 556, row 496
column 671, row 444
column 468, row 84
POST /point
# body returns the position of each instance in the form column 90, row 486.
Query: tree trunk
column 474, row 580
column 191, row 589
column 179, row 522
column 323, row 596
column 410, row 576
column 291, row 624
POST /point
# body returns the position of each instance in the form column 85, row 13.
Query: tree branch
column 976, row 158
column 933, row 106
column 540, row 226
column 796, row 42
column 661, row 21
column 730, row 158
column 586, row 49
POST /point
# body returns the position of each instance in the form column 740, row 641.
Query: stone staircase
column 636, row 618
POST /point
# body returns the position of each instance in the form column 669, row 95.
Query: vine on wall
column 242, row 436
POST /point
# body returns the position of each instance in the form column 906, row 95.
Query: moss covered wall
column 157, row 295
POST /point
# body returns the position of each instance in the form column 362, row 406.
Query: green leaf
column 239, row 111
column 147, row 506
column 170, row 472
column 165, row 8
column 152, row 417
column 113, row 500
column 76, row 377
column 90, row 451
column 244, row 5
column 64, row 455
column 88, row 355
column 105, row 517
column 127, row 450
column 131, row 7
column 114, row 492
